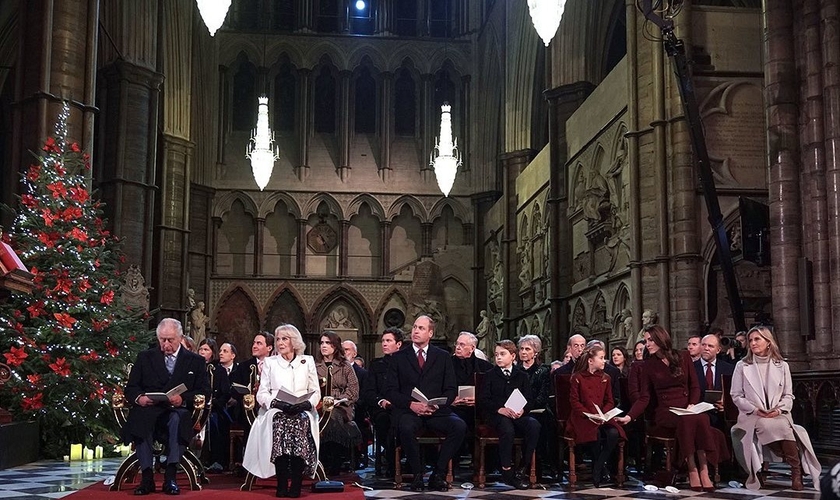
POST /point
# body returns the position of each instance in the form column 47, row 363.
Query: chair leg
column 572, row 466
column 397, row 467
column 449, row 476
column 669, row 451
column 619, row 476
column 482, row 478
column 532, row 479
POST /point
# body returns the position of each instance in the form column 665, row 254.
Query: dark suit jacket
column 149, row 375
column 497, row 389
column 721, row 368
column 437, row 379
column 373, row 388
column 465, row 369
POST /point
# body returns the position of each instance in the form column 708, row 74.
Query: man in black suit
column 160, row 369
column 709, row 368
column 430, row 370
column 467, row 364
column 361, row 411
column 376, row 400
column 248, row 372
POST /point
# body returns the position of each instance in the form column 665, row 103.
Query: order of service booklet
column 419, row 396
column 694, row 410
column 601, row 416
column 163, row 397
column 286, row 396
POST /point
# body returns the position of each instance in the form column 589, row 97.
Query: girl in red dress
column 590, row 386
column 668, row 375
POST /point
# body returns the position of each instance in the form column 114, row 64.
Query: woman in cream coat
column 763, row 392
column 284, row 438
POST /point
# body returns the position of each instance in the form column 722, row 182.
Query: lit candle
column 66, row 458
column 88, row 454
column 75, row 452
column 97, row 452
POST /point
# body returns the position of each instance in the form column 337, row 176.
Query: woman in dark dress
column 669, row 375
column 590, row 386
column 218, row 425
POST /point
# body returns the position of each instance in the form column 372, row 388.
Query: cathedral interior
column 577, row 205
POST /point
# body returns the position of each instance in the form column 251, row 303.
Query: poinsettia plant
column 68, row 344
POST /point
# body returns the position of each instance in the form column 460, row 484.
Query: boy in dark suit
column 159, row 369
column 430, row 370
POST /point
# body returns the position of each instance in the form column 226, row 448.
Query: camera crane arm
column 675, row 48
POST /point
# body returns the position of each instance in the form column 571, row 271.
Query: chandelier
column 546, row 16
column 213, row 12
column 446, row 158
column 261, row 149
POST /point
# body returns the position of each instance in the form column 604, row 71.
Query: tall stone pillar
column 384, row 17
column 481, row 202
column 214, row 245
column 513, row 163
column 426, row 251
column 344, row 125
column 427, row 121
column 301, row 248
column 562, row 103
column 385, row 231
column 343, row 249
column 258, row 246
column 57, row 50
column 781, row 83
column 304, row 123
column 385, row 118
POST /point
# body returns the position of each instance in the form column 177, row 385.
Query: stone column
column 214, row 245
column 57, row 50
column 481, row 202
column 258, row 246
column 632, row 36
column 222, row 120
column 464, row 139
column 427, row 121
column 305, row 16
column 385, row 231
column 426, row 240
column 301, row 248
column 304, row 122
column 513, row 163
column 385, row 118
column 562, row 102
column 385, row 17
column 344, row 126
column 781, row 83
column 344, row 245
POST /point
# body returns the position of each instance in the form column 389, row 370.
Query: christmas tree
column 69, row 342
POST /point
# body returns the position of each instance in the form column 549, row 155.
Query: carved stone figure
column 339, row 319
column 133, row 292
column 486, row 333
column 199, row 321
column 596, row 200
column 525, row 271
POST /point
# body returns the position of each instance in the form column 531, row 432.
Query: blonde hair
column 294, row 335
column 766, row 334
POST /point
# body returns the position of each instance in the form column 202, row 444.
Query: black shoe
column 417, row 484
column 437, row 482
column 144, row 488
column 171, row 488
column 510, row 478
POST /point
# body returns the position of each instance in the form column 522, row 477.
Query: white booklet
column 466, row 391
column 419, row 396
column 696, row 409
column 601, row 416
column 163, row 397
column 516, row 401
column 286, row 396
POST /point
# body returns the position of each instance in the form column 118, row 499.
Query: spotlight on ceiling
column 360, row 5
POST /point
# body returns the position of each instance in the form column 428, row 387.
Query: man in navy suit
column 159, row 369
column 430, row 370
column 709, row 368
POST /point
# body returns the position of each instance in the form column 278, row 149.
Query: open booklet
column 163, row 397
column 286, row 396
column 419, row 396
column 466, row 391
column 240, row 389
column 713, row 396
column 603, row 417
column 694, row 410
column 516, row 401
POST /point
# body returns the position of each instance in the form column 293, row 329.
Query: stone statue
column 525, row 272
column 190, row 299
column 339, row 319
column 199, row 321
column 649, row 317
column 486, row 333
column 596, row 199
column 133, row 291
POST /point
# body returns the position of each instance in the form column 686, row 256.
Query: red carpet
column 221, row 487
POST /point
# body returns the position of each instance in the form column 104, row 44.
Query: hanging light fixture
column 446, row 158
column 546, row 16
column 261, row 149
column 213, row 12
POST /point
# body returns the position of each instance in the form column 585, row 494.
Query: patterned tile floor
column 52, row 479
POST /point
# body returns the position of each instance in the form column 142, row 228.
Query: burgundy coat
column 587, row 390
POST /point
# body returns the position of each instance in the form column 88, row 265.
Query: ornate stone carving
column 133, row 291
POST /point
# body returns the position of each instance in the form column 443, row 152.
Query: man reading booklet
column 419, row 396
column 163, row 397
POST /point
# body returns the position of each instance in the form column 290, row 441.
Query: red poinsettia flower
column 36, row 309
column 79, row 195
column 112, row 349
column 84, row 285
column 34, row 173
column 107, row 297
column 65, row 319
column 71, row 214
column 34, row 379
column 27, row 200
column 60, row 169
column 15, row 356
column 75, row 147
column 19, row 328
column 50, row 145
column 98, row 326
column 93, row 356
column 63, row 285
column 48, row 216
column 60, row 367
column 78, row 234
column 32, row 403
column 58, row 189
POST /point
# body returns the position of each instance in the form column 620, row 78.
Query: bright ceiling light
column 446, row 158
column 213, row 12
column 546, row 16
column 261, row 149
column 360, row 5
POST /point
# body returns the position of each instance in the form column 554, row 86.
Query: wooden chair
column 128, row 469
column 425, row 438
column 487, row 435
column 562, row 386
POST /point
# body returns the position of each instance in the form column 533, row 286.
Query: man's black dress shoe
column 437, row 483
column 417, row 484
column 171, row 488
column 144, row 488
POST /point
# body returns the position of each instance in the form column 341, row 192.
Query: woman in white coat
column 285, row 434
column 763, row 392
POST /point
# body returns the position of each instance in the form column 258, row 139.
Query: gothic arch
column 349, row 294
column 416, row 207
column 376, row 207
column 457, row 207
column 446, row 56
column 311, row 207
column 386, row 299
column 224, row 203
column 621, row 300
column 229, row 55
column 578, row 177
column 358, row 55
column 299, row 319
column 269, row 204
column 314, row 56
column 280, row 47
column 237, row 317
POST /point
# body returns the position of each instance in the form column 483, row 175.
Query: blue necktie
column 170, row 363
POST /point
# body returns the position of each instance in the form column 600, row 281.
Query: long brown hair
column 590, row 352
column 766, row 334
column 662, row 339
column 335, row 340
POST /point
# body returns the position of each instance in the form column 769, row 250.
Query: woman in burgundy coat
column 590, row 386
column 669, row 375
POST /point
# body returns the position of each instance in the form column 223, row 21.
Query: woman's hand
column 769, row 414
column 623, row 420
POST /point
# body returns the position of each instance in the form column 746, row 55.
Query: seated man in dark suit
column 376, row 400
column 430, row 370
column 467, row 364
column 159, row 369
column 709, row 369
column 360, row 412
